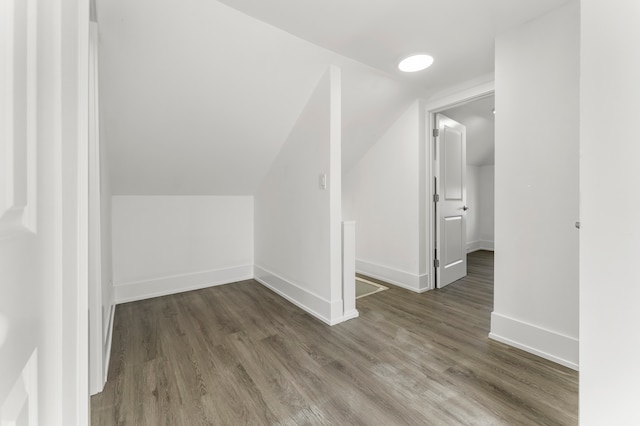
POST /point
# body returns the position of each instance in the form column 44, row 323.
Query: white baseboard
column 315, row 305
column 106, row 356
column 350, row 315
column 416, row 283
column 139, row 290
column 479, row 245
column 545, row 343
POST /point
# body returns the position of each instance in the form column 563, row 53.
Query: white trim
column 415, row 283
column 162, row 286
column 96, row 336
column 106, row 357
column 306, row 300
column 479, row 245
column 81, row 399
column 438, row 104
column 531, row 338
column 347, row 316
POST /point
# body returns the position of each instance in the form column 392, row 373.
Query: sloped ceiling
column 459, row 34
column 198, row 97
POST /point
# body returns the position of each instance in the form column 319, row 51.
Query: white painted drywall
column 473, row 202
column 198, row 98
column 480, row 200
column 536, row 190
column 383, row 197
column 610, row 232
column 486, row 197
column 295, row 219
column 167, row 244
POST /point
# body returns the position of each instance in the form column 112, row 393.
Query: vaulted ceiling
column 197, row 96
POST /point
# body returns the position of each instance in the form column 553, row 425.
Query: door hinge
column 436, row 198
column 436, row 263
column 436, row 133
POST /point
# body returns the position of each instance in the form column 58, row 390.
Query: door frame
column 431, row 108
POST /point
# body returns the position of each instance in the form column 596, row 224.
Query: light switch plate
column 323, row 181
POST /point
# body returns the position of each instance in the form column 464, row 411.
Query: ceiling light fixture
column 415, row 63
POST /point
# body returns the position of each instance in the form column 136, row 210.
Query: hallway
column 239, row 354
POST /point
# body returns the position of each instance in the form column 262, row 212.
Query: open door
column 450, row 201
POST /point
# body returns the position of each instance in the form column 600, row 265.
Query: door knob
column 465, row 208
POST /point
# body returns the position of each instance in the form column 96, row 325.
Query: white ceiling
column 459, row 34
column 198, row 97
column 479, row 120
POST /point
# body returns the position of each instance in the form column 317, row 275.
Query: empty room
column 226, row 212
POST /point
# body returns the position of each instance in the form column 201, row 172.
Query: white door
column 42, row 307
column 451, row 225
column 20, row 242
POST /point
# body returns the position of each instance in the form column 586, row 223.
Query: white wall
column 610, row 232
column 167, row 244
column 473, row 202
column 480, row 200
column 486, row 196
column 383, row 197
column 536, row 191
column 297, row 223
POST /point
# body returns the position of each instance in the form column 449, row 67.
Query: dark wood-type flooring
column 239, row 354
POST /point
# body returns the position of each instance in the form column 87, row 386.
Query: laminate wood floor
column 240, row 354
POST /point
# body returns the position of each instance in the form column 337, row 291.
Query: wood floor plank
column 240, row 354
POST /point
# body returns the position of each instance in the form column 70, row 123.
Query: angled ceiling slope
column 458, row 34
column 197, row 98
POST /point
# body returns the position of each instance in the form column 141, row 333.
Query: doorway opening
column 462, row 170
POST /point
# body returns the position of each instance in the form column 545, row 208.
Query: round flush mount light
column 415, row 63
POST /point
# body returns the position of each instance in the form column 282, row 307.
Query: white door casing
column 96, row 348
column 451, row 226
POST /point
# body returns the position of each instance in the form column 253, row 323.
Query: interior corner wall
column 536, row 186
column 384, row 193
column 609, row 235
column 168, row 244
column 296, row 220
